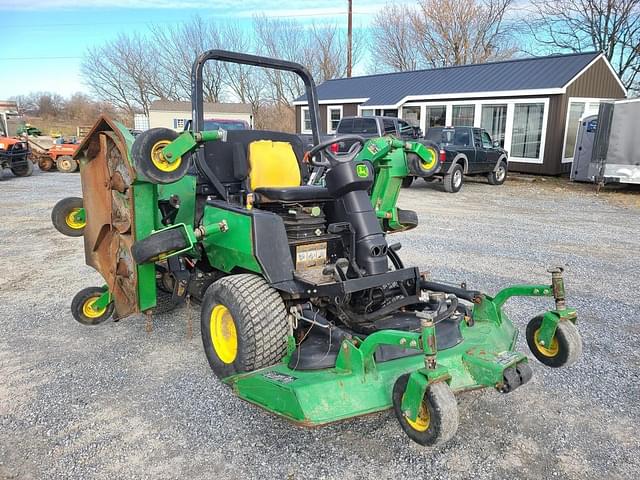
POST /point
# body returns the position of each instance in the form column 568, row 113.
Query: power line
column 38, row 58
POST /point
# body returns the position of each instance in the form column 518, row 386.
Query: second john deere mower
column 307, row 309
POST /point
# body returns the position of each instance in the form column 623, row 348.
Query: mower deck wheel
column 148, row 159
column 565, row 349
column 158, row 245
column 83, row 310
column 64, row 217
column 243, row 324
column 66, row 164
column 438, row 417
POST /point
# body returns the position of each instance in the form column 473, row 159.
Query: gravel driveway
column 117, row 402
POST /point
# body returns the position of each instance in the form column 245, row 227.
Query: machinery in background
column 14, row 150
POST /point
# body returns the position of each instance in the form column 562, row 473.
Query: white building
column 163, row 113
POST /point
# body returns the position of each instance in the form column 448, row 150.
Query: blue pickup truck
column 466, row 151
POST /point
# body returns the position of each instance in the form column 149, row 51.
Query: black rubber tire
column 46, row 164
column 142, row 150
column 59, row 215
column 260, row 319
column 568, row 339
column 407, row 181
column 158, row 244
column 499, row 177
column 443, row 413
column 78, row 302
column 66, row 164
column 453, row 180
column 165, row 302
column 24, row 169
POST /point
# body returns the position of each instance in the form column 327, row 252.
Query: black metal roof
column 534, row 73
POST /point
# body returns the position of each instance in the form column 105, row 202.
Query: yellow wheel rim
column 223, row 334
column 432, row 161
column 89, row 311
column 551, row 351
column 72, row 221
column 158, row 159
column 420, row 424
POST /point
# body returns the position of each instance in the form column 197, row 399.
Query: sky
column 44, row 40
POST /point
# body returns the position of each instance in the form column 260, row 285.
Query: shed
column 164, row 113
column 532, row 106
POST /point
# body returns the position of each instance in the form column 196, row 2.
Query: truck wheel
column 45, row 164
column 66, row 164
column 244, row 325
column 64, row 217
column 497, row 177
column 147, row 156
column 158, row 245
column 407, row 181
column 438, row 416
column 24, row 170
column 454, row 179
column 565, row 348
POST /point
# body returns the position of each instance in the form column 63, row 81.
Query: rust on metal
column 108, row 198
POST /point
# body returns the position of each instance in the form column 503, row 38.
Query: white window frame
column 566, row 123
column 361, row 109
column 509, row 102
column 329, row 108
column 302, row 125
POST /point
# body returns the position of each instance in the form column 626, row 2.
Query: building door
column 494, row 121
column 577, row 110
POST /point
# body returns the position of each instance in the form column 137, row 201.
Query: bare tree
column 610, row 26
column 393, row 38
column 460, row 32
column 177, row 47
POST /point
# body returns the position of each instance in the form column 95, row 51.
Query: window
column 435, row 115
column 367, row 112
column 577, row 110
column 358, row 125
column 406, row 130
column 306, row 120
column 411, row 115
column 463, row 115
column 178, row 123
column 390, row 113
column 486, row 140
column 334, row 114
column 388, row 126
column 526, row 134
column 494, row 121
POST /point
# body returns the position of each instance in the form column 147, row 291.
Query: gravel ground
column 117, row 402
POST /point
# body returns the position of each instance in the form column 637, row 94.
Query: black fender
column 502, row 157
column 460, row 158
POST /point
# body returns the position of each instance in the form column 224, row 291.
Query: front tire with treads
column 244, row 325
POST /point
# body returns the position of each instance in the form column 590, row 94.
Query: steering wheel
column 331, row 159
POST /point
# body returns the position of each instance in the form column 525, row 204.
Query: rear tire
column 62, row 217
column 66, row 164
column 243, row 324
column 454, row 179
column 24, row 170
column 498, row 177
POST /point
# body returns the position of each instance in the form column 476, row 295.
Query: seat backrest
column 273, row 164
column 228, row 160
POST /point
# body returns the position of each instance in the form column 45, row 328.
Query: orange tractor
column 14, row 151
column 59, row 155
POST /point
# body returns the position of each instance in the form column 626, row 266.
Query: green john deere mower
column 307, row 309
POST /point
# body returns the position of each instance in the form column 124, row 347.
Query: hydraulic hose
column 470, row 295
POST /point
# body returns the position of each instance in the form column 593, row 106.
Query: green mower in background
column 307, row 309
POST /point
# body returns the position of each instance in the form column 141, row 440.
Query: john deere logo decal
column 362, row 170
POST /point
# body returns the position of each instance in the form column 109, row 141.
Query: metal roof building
column 532, row 106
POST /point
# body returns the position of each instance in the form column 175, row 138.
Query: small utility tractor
column 307, row 309
column 14, row 151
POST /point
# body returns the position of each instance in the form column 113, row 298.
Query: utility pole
column 349, row 39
